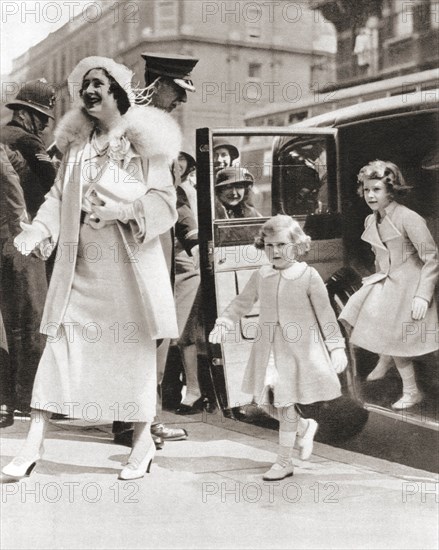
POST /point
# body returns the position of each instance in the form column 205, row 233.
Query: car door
column 294, row 173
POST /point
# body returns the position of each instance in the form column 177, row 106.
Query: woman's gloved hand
column 32, row 235
column 419, row 308
column 219, row 331
column 339, row 360
column 111, row 210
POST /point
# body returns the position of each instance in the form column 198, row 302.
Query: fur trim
column 151, row 131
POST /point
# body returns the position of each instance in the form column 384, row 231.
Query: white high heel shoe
column 22, row 467
column 135, row 469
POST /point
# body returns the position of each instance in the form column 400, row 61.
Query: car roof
column 423, row 101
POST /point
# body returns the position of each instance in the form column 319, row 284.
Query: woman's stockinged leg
column 33, row 445
column 288, row 422
column 190, row 363
column 411, row 395
column 142, row 454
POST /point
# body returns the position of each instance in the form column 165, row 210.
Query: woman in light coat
column 110, row 297
column 394, row 313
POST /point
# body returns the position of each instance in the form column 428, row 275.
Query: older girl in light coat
column 394, row 313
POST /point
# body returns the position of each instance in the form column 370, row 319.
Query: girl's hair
column 119, row 94
column 296, row 233
column 388, row 173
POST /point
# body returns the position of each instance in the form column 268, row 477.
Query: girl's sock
column 407, row 372
column 286, row 446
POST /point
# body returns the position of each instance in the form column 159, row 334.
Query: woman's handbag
column 116, row 184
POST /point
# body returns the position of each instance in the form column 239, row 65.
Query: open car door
column 294, row 173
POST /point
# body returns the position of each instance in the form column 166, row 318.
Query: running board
column 404, row 416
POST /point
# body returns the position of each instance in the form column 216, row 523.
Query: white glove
column 419, row 308
column 219, row 331
column 32, row 235
column 111, row 210
column 339, row 360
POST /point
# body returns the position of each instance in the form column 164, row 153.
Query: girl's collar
column 388, row 210
column 296, row 270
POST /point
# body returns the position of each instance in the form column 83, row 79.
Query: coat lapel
column 371, row 235
column 388, row 230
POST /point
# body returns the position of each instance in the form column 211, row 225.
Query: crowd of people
column 122, row 281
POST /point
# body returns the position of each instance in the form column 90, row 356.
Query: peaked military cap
column 175, row 66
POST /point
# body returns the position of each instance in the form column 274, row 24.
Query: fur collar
column 151, row 131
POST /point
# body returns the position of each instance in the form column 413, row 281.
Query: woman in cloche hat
column 110, row 297
column 232, row 187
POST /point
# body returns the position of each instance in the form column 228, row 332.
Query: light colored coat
column 297, row 323
column 406, row 260
column 156, row 137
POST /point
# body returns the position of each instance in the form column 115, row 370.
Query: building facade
column 251, row 53
column 379, row 39
column 384, row 48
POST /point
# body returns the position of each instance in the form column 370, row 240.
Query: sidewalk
column 208, row 492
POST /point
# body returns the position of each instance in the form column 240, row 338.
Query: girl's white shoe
column 409, row 399
column 135, row 469
column 279, row 471
column 306, row 441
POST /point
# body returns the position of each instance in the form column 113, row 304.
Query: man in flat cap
column 167, row 81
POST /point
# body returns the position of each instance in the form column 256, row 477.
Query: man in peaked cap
column 170, row 78
column 167, row 81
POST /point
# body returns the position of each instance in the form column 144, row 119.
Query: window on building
column 55, row 70
column 166, row 16
column 434, row 14
column 253, row 21
column 254, row 71
column 78, row 53
column 402, row 13
column 63, row 71
column 297, row 117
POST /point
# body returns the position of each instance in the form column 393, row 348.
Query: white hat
column 121, row 74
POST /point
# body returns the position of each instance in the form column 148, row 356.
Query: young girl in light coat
column 394, row 313
column 299, row 349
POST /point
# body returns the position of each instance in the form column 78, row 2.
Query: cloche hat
column 121, row 74
column 233, row 151
column 234, row 174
